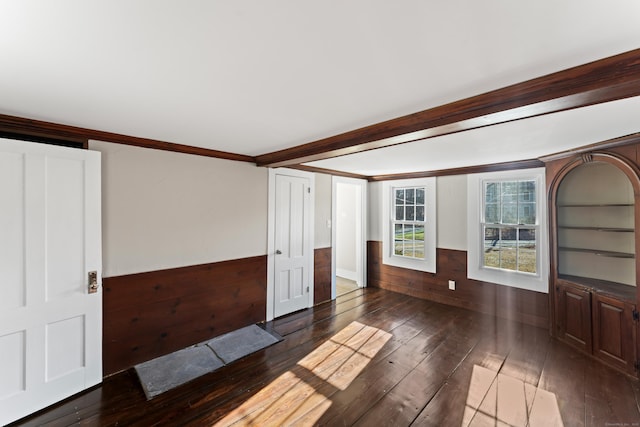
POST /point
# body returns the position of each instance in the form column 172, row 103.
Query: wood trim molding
column 609, row 79
column 23, row 126
column 329, row 171
column 633, row 138
column 521, row 164
column 82, row 143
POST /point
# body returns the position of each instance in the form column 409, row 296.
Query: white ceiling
column 255, row 76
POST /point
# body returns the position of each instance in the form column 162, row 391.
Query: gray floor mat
column 177, row 368
column 242, row 342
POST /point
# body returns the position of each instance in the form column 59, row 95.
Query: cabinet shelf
column 610, row 254
column 604, row 287
column 606, row 229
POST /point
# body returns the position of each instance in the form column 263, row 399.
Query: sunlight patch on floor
column 340, row 360
column 301, row 396
column 500, row 400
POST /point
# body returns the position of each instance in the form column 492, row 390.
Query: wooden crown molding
column 522, row 164
column 609, row 79
column 633, row 138
column 22, row 126
column 329, row 171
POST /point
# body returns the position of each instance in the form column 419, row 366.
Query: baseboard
column 347, row 274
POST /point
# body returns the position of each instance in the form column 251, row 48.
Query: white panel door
column 292, row 235
column 50, row 238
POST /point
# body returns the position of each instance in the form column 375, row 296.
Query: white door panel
column 12, row 241
column 50, row 238
column 65, row 269
column 291, row 196
column 292, row 244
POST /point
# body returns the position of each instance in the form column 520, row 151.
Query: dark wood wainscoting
column 147, row 315
column 516, row 304
column 322, row 275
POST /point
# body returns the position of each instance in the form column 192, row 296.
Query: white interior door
column 50, row 238
column 292, row 244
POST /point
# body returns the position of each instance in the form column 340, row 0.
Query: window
column 409, row 224
column 509, row 225
column 506, row 229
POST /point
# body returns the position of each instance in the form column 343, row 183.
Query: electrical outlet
column 452, row 285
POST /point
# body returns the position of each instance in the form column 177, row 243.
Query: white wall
column 451, row 192
column 346, row 204
column 374, row 211
column 323, row 211
column 163, row 210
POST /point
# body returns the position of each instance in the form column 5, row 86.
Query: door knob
column 278, row 252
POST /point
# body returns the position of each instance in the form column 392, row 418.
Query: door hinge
column 636, row 315
column 309, row 190
column 307, row 289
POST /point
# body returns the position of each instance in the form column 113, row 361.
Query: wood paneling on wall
column 517, row 304
column 322, row 275
column 147, row 315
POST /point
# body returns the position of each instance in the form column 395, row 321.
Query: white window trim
column 388, row 258
column 536, row 282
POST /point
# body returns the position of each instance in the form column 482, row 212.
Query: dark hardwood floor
column 372, row 358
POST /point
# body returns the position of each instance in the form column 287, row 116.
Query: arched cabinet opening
column 594, row 265
column 596, row 228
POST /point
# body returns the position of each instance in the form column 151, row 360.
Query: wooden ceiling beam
column 609, row 79
column 329, row 171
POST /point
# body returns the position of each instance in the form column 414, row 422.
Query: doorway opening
column 348, row 235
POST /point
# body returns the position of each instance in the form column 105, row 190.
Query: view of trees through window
column 409, row 222
column 510, row 225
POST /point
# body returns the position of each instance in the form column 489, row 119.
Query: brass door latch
column 93, row 282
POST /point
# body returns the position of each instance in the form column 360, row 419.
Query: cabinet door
column 573, row 314
column 614, row 332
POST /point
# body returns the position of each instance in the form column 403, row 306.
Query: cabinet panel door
column 614, row 332
column 573, row 314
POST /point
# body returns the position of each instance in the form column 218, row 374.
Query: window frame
column 408, row 222
column 538, row 281
column 428, row 264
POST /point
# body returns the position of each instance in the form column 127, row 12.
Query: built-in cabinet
column 594, row 243
column 614, row 331
column 573, row 315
